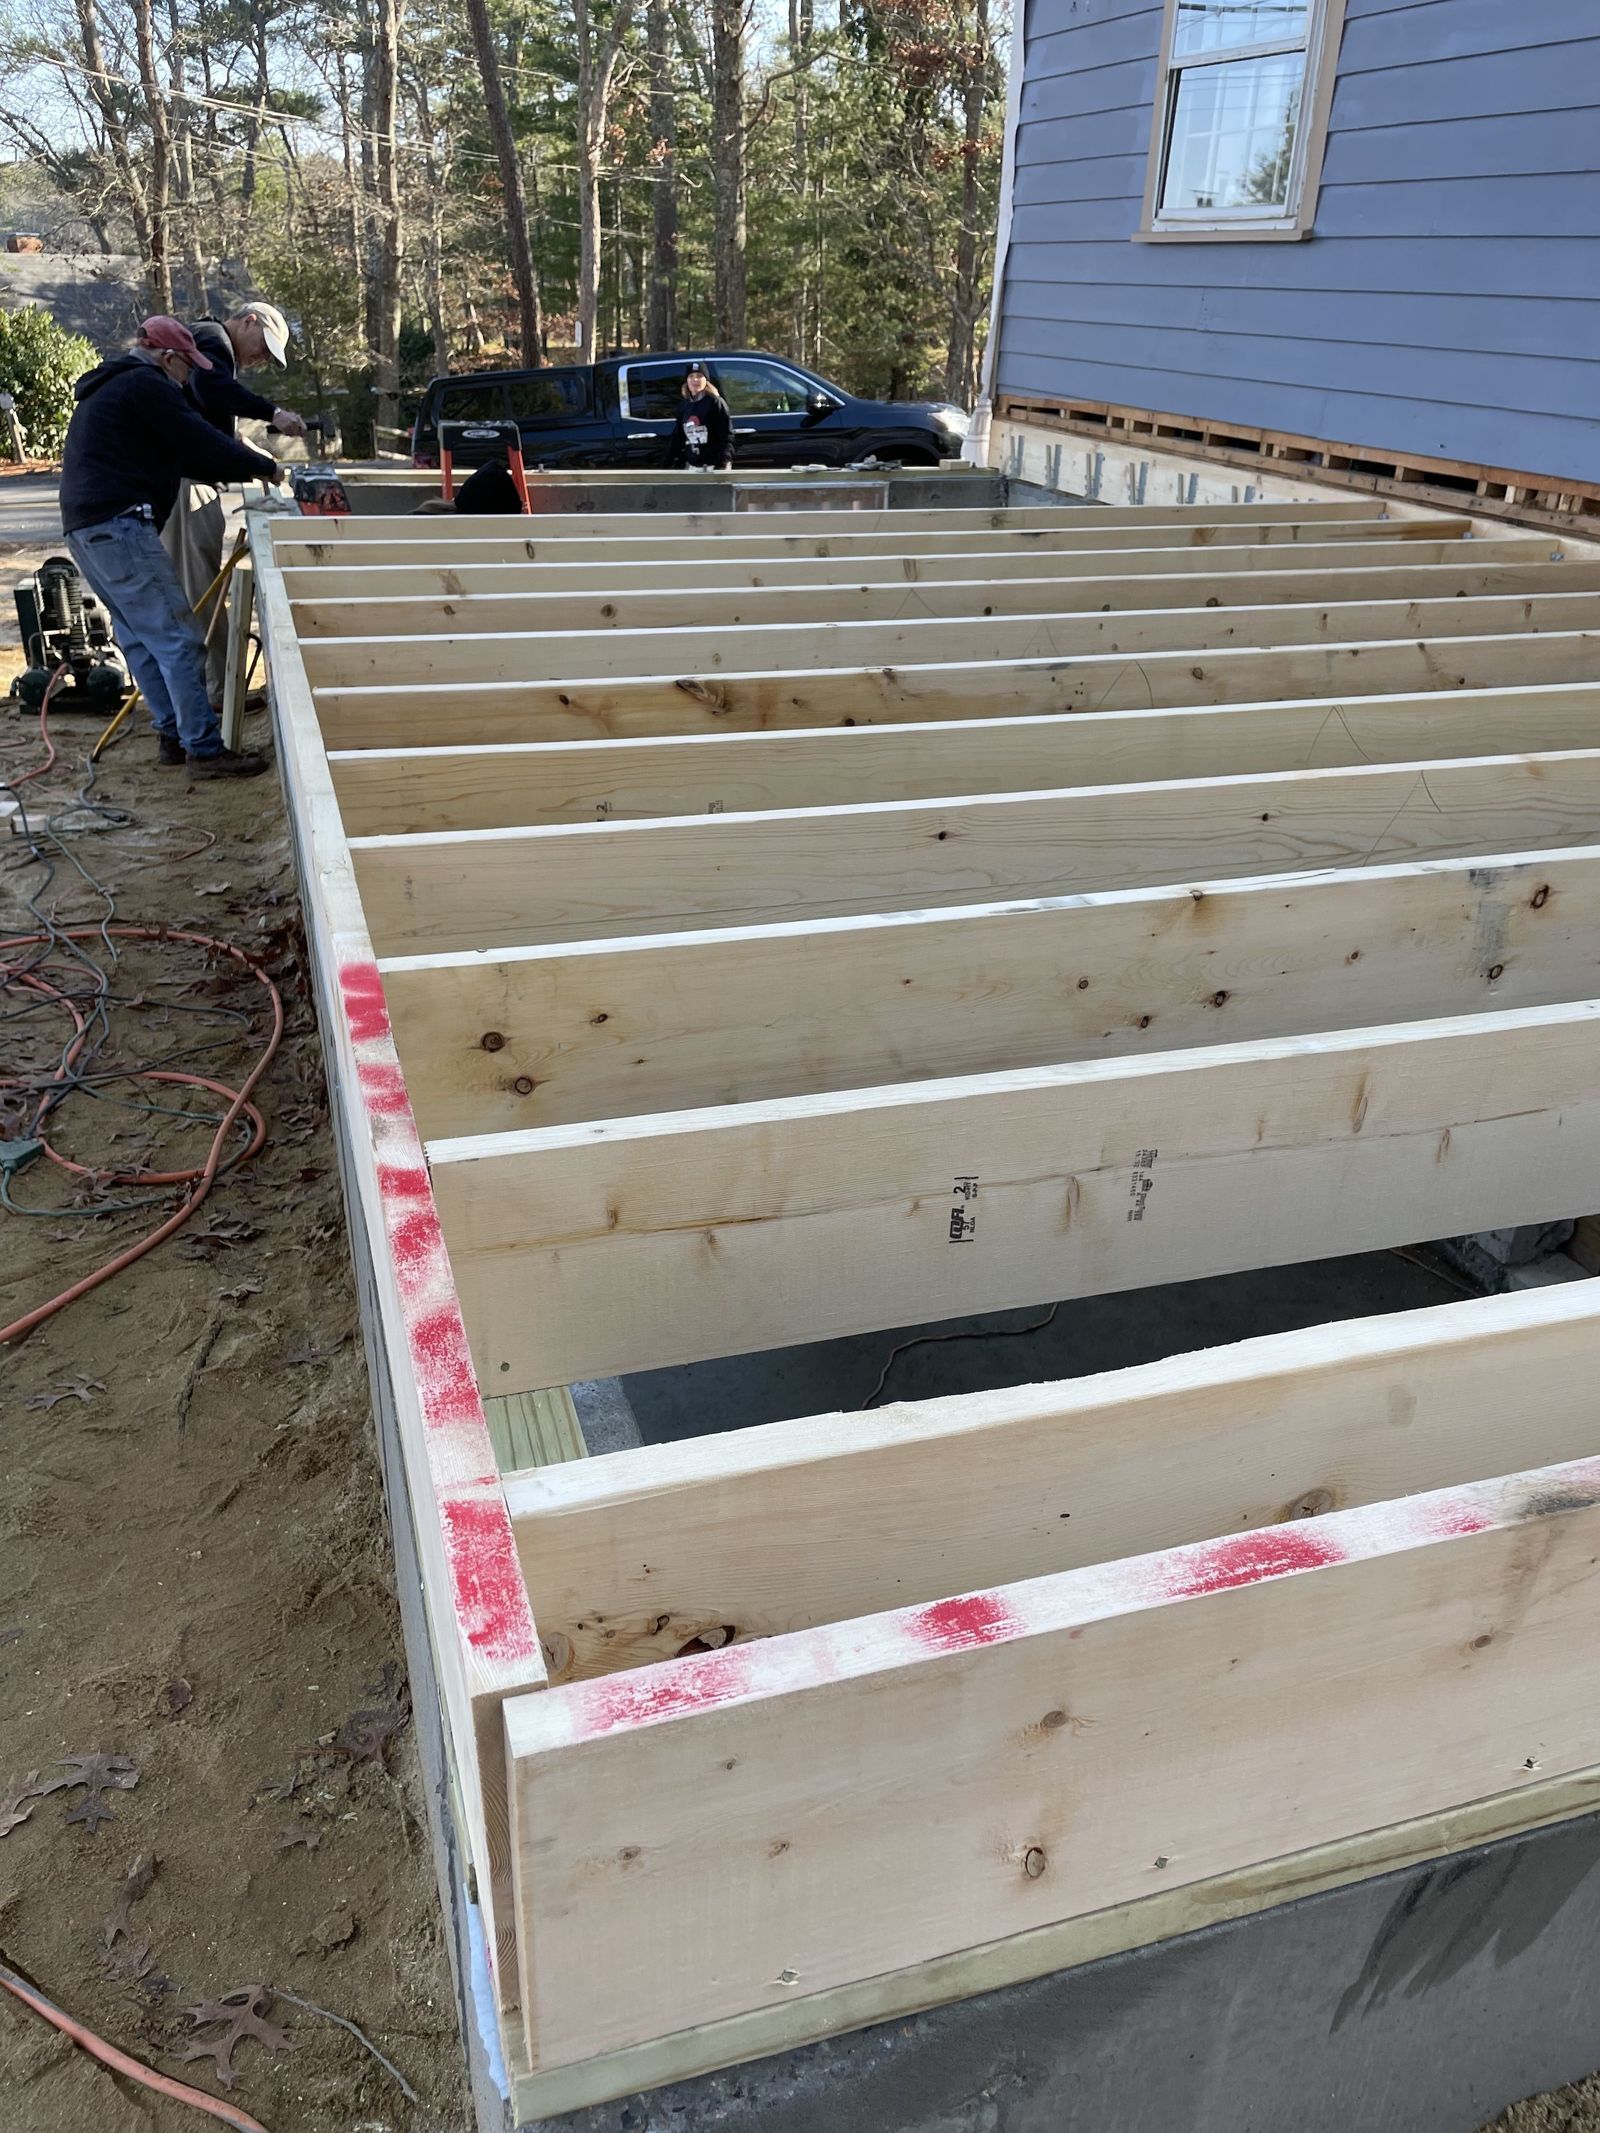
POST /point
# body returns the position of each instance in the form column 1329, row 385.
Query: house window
column 1241, row 117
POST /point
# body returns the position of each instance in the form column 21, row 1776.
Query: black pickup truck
column 619, row 413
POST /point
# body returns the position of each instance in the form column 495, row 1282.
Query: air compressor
column 59, row 622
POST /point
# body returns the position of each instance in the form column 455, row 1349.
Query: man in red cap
column 133, row 436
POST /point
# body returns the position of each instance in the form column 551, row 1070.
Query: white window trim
column 1249, row 225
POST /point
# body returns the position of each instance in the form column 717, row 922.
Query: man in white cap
column 252, row 334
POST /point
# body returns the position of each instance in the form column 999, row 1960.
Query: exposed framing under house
column 1501, row 492
column 692, row 988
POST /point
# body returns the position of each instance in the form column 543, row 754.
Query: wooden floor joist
column 620, row 709
column 459, row 889
column 592, row 1250
column 796, row 1813
column 677, row 1022
column 562, row 656
column 760, row 537
column 693, row 573
column 951, row 910
column 486, row 613
column 793, row 1524
column 395, row 791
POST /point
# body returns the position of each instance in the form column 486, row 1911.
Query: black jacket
column 217, row 391
column 710, row 413
column 133, row 434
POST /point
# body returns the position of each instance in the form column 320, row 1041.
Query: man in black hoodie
column 133, row 436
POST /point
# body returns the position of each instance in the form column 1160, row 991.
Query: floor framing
column 736, row 930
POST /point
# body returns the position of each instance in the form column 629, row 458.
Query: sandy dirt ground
column 195, row 1574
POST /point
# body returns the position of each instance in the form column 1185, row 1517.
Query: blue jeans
column 125, row 564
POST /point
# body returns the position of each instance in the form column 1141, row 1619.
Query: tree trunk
column 961, row 362
column 597, row 67
column 101, row 88
column 530, row 310
column 807, row 296
column 183, row 168
column 728, row 171
column 357, row 239
column 257, row 119
column 661, row 327
column 160, row 155
column 386, row 294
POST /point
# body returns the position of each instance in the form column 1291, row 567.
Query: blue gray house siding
column 1448, row 301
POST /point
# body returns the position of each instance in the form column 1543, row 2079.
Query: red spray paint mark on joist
column 364, row 1006
column 490, row 1596
column 404, row 1181
column 383, row 1088
column 443, row 1364
column 417, row 1242
column 959, row 1625
column 1455, row 1521
column 671, row 1690
column 488, row 1592
column 1247, row 1559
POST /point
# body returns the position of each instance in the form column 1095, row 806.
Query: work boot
column 170, row 750
column 227, row 763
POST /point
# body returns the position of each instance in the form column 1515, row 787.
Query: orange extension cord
column 120, row 2063
column 239, row 1103
column 202, row 1178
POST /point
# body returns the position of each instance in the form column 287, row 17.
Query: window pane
column 654, row 393
column 546, row 395
column 1223, row 25
column 472, row 403
column 1231, row 141
column 758, row 389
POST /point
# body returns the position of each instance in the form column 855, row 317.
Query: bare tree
column 160, row 155
column 102, row 90
column 386, row 20
column 661, row 329
column 728, row 203
column 598, row 53
column 530, row 311
column 961, row 362
column 183, row 120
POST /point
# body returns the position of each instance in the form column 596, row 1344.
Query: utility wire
column 266, row 114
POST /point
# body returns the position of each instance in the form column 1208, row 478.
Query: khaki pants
column 193, row 538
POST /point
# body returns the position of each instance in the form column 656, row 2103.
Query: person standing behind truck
column 194, row 534
column 702, row 432
column 133, row 435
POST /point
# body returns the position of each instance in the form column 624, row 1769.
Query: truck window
column 653, row 390
column 470, row 401
column 759, row 388
column 548, row 395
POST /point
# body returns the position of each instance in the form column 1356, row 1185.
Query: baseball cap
column 164, row 332
column 274, row 328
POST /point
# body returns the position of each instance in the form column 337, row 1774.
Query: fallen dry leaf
column 78, row 1388
column 365, row 1734
column 124, row 1952
column 98, row 1775
column 238, row 2014
column 175, row 1697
